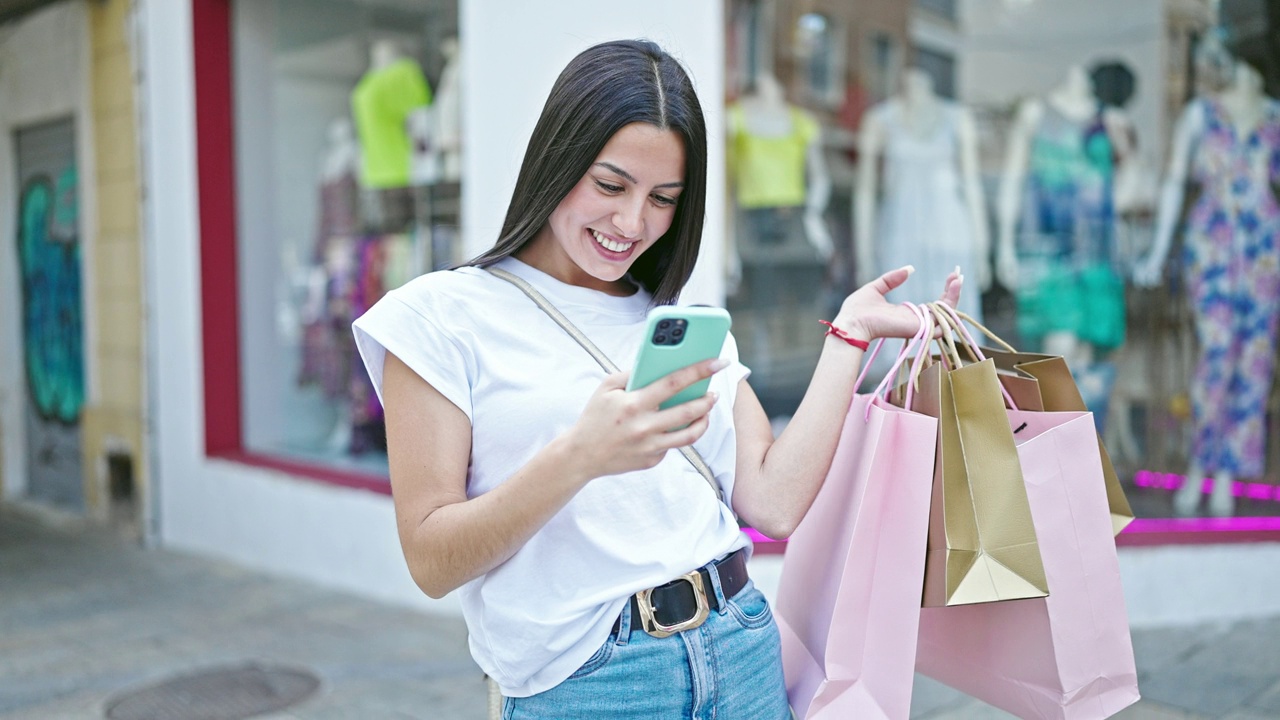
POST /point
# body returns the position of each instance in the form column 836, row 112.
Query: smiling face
column 621, row 206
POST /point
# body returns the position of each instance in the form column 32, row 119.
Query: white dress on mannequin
column 923, row 219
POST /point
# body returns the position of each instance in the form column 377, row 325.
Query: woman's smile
column 613, row 249
column 624, row 203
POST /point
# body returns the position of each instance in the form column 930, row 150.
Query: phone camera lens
column 660, row 339
column 664, row 324
column 677, row 333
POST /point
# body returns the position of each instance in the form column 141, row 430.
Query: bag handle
column 983, row 328
column 951, row 318
column 693, row 456
column 946, row 338
column 921, row 336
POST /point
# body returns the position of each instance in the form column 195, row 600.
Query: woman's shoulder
column 458, row 283
column 447, row 294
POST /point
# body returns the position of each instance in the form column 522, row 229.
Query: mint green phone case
column 677, row 337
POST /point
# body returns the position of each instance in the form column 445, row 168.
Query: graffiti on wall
column 49, row 257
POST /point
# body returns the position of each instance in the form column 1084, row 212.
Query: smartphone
column 677, row 337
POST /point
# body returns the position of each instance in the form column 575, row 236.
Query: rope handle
column 953, row 320
column 908, row 344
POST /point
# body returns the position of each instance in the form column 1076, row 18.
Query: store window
column 347, row 144
column 1107, row 176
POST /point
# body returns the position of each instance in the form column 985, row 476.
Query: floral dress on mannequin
column 1232, row 258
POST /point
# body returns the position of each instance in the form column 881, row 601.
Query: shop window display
column 781, row 242
column 1105, row 174
column 348, row 185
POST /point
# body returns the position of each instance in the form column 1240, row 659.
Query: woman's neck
column 548, row 258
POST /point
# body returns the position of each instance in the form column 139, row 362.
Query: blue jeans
column 729, row 667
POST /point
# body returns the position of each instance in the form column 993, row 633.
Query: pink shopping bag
column 849, row 596
column 1068, row 655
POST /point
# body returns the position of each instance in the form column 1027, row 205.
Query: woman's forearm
column 781, row 490
column 462, row 540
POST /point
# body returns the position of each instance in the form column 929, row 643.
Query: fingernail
column 714, row 396
column 718, row 364
column 911, row 269
column 957, row 270
column 961, row 278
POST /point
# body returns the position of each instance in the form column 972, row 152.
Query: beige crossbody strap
column 690, row 454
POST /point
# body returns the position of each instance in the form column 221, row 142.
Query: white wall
column 512, row 53
column 293, row 526
column 43, row 77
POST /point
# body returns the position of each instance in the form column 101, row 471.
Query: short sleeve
column 734, row 374
column 394, row 326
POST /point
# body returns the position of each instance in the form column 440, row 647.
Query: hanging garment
column 327, row 346
column 769, row 171
column 1232, row 255
column 923, row 219
column 1068, row 281
column 381, row 103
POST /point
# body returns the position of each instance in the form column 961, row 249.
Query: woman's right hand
column 622, row 431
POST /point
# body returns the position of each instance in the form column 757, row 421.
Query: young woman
column 545, row 493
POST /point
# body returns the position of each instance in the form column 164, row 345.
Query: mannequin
column 779, row 241
column 776, row 156
column 1055, row 218
column 436, row 130
column 392, row 87
column 327, row 348
column 932, row 213
column 448, row 112
column 1230, row 145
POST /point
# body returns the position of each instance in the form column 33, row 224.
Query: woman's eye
column 607, row 187
column 664, row 200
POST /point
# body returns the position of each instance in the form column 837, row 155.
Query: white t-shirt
column 522, row 381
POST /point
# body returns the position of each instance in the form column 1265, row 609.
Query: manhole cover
column 228, row 693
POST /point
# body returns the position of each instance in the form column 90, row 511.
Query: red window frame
column 219, row 289
column 219, row 294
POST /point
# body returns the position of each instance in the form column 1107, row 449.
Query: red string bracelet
column 833, row 330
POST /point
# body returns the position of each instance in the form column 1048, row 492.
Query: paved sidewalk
column 86, row 616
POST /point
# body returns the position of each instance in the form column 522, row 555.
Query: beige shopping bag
column 982, row 545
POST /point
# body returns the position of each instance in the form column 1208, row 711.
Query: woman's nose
column 629, row 219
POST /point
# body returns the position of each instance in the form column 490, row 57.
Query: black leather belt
column 685, row 602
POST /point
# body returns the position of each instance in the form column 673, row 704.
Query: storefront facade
column 278, row 206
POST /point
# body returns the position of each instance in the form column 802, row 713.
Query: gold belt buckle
column 650, row 623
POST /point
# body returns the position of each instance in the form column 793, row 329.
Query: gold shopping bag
column 982, row 545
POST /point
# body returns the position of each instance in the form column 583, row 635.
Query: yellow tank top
column 769, row 171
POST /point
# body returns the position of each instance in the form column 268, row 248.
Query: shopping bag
column 848, row 599
column 1068, row 655
column 1058, row 392
column 982, row 545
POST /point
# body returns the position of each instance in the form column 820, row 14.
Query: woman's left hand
column 867, row 315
